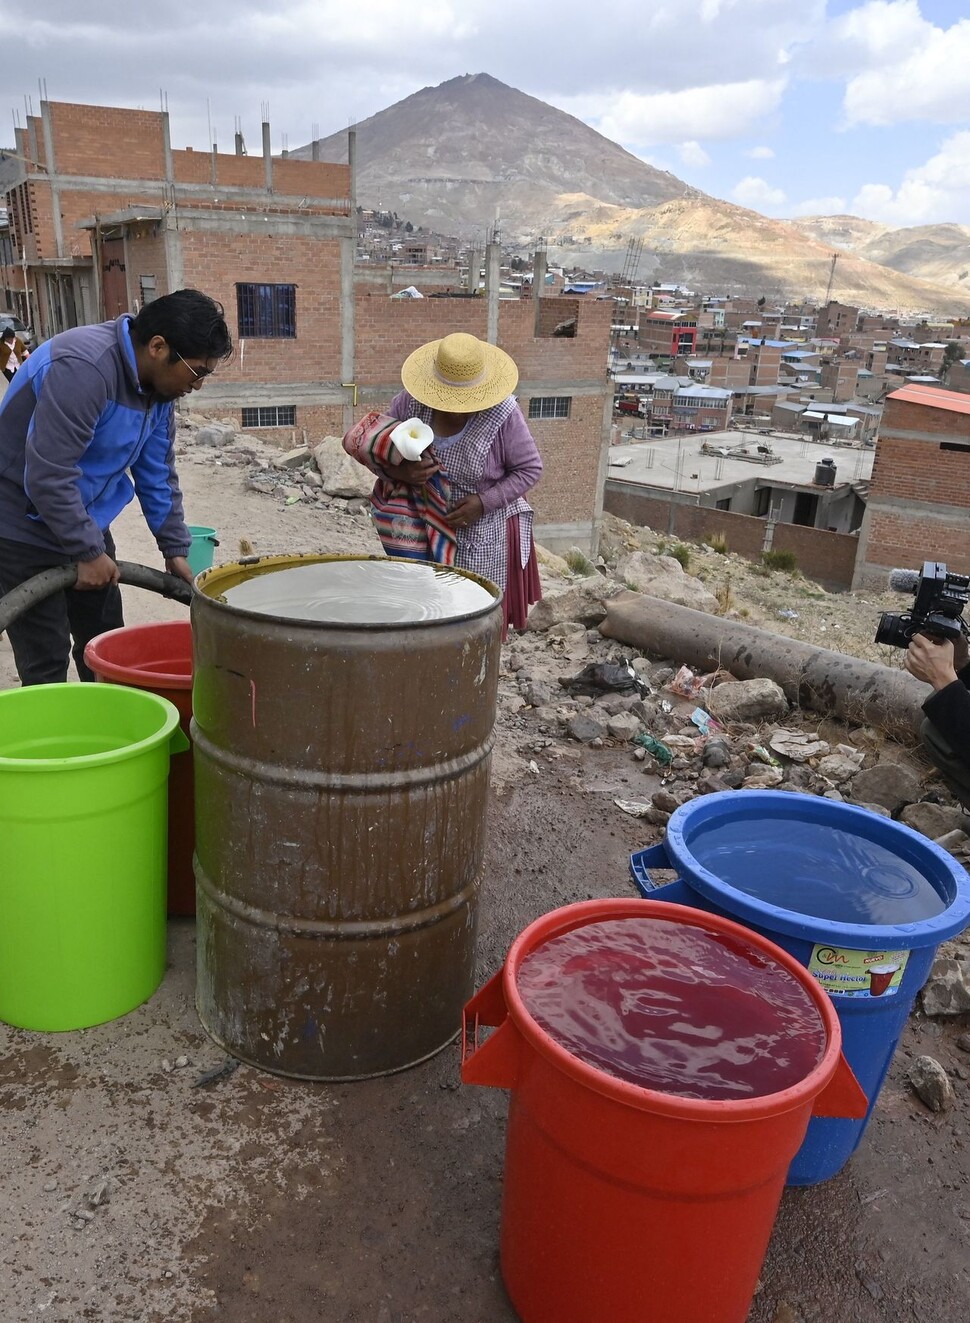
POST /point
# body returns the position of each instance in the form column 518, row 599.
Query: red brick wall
column 570, row 450
column 389, row 329
column 195, row 168
column 896, row 539
column 826, row 557
column 319, row 179
column 554, row 311
column 911, row 480
column 87, row 140
column 919, row 471
column 214, row 262
column 146, row 257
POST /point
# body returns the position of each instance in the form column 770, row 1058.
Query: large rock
column 623, row 726
column 551, row 563
column 932, row 1084
column 947, row 990
column 664, row 577
column 216, row 434
column 342, row 476
column 585, row 729
column 889, row 784
column 585, row 602
column 839, row 767
column 933, row 820
column 747, row 700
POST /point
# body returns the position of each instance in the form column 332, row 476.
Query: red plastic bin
column 158, row 658
column 626, row 1204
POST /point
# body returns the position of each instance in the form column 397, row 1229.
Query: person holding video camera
column 945, row 733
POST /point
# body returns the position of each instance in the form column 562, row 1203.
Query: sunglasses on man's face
column 197, row 373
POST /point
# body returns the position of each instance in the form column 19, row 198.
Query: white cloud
column 830, row 206
column 693, row 154
column 757, row 194
column 882, row 30
column 720, row 110
column 936, row 191
column 760, row 153
column 898, row 66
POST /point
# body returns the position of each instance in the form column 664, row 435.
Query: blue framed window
column 266, row 311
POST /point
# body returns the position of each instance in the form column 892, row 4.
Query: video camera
column 937, row 610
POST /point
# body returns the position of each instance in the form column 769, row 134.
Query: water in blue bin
column 816, row 869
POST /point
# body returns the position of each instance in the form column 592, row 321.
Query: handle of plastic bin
column 655, row 856
column 494, row 1062
column 843, row 1096
column 179, row 742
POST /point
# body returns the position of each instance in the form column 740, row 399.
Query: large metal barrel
column 341, row 785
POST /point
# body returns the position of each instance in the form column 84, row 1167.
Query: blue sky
column 821, row 107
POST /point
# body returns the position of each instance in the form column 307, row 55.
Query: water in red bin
column 674, row 1008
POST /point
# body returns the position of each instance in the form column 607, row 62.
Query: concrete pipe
column 827, row 682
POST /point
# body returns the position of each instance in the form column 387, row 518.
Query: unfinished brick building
column 109, row 217
column 919, row 499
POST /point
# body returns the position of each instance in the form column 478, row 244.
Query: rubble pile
column 564, row 688
column 324, row 476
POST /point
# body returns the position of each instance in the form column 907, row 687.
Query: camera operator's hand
column 931, row 660
column 961, row 652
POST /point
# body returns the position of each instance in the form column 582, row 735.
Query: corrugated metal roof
column 933, row 397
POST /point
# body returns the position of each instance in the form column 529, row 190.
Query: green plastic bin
column 83, row 835
column 203, row 548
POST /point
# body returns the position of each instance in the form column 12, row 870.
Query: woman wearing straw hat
column 460, row 500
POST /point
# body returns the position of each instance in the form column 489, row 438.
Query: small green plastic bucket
column 83, row 835
column 202, row 550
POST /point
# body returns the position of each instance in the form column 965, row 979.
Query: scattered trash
column 635, row 807
column 786, row 613
column 704, row 722
column 716, row 753
column 686, row 684
column 292, row 500
column 760, row 754
column 101, row 1194
column 606, row 677
column 666, row 706
column 659, row 750
column 533, row 767
column 798, row 748
column 227, row 1068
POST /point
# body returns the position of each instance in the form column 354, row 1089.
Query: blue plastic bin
column 873, row 1011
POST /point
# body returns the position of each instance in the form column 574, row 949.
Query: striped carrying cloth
column 483, row 547
column 410, row 521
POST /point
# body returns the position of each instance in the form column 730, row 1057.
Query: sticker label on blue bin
column 858, row 973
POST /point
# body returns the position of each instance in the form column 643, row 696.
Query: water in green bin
column 361, row 592
column 42, row 747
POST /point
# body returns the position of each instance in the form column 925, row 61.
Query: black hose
column 41, row 586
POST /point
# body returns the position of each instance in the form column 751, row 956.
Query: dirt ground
column 263, row 1200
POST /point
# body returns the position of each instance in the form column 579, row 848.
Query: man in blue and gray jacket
column 87, row 409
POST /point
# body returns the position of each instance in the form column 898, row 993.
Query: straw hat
column 459, row 374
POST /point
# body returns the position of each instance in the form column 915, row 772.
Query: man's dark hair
column 191, row 323
column 8, row 333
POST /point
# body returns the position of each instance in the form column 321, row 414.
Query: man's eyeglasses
column 197, row 373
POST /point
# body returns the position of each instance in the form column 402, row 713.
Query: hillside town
column 729, row 481
column 696, row 412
